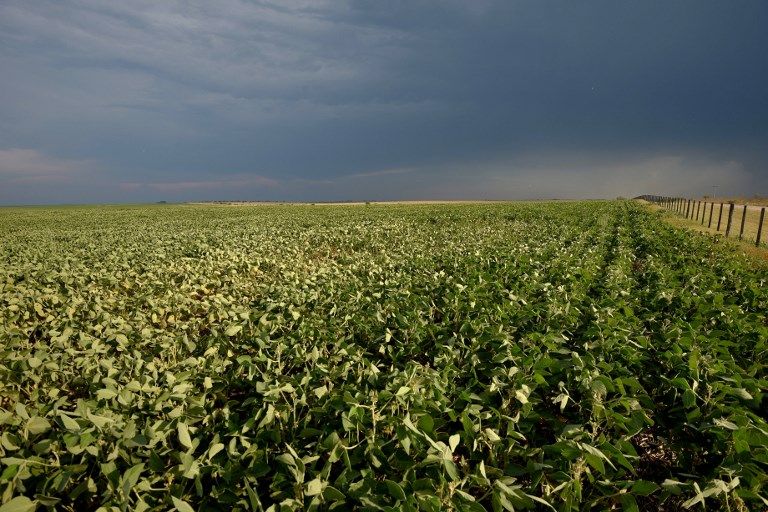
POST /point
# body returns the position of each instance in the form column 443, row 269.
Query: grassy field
column 500, row 356
column 752, row 201
column 750, row 216
column 701, row 223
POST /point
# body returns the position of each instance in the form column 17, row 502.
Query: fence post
column 711, row 209
column 743, row 218
column 730, row 218
column 687, row 207
column 703, row 213
column 720, row 216
column 760, row 226
column 698, row 207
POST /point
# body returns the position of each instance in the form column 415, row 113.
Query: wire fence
column 742, row 221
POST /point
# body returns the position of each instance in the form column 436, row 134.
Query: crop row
column 467, row 357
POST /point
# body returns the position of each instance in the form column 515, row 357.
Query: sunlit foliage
column 403, row 357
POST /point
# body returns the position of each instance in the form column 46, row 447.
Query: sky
column 294, row 100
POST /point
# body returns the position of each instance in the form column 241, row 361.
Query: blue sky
column 136, row 101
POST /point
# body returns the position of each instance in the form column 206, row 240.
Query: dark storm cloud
column 383, row 100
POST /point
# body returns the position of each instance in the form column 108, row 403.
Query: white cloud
column 566, row 175
column 383, row 172
column 228, row 184
column 233, row 47
column 18, row 165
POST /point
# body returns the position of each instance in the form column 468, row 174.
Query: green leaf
column 321, row 391
column 131, row 477
column 333, row 494
column 253, row 498
column 742, row 393
column 689, row 398
column 541, row 500
column 181, row 505
column 644, row 488
column 69, row 423
column 37, row 425
column 451, row 469
column 9, row 441
column 628, row 503
column 314, row 487
column 595, row 462
column 492, row 435
column 722, row 422
column 214, row 449
column 453, row 441
column 184, row 439
column 99, row 421
column 395, row 490
column 233, row 330
column 19, row 504
column 106, row 394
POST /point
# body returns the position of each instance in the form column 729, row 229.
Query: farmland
column 430, row 357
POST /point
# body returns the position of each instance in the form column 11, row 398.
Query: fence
column 745, row 219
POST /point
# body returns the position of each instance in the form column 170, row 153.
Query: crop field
column 532, row 356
